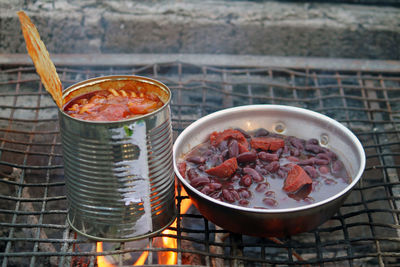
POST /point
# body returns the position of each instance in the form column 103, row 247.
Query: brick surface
column 216, row 27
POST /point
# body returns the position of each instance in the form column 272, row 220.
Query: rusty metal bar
column 195, row 86
column 210, row 60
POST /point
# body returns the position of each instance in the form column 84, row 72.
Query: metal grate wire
column 365, row 232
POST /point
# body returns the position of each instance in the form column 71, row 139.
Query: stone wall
column 211, row 27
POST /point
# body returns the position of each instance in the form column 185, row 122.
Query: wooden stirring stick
column 41, row 58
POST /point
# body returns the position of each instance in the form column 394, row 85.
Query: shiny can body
column 119, row 175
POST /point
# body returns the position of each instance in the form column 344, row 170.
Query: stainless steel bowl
column 285, row 120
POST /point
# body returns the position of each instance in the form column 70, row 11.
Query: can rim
column 92, row 81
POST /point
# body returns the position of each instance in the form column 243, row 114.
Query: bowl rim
column 270, row 107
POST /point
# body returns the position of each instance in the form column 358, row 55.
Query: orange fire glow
column 164, row 257
column 142, row 259
column 170, row 257
column 101, row 260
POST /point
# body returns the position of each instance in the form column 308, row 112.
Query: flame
column 164, row 257
column 101, row 260
column 142, row 258
column 170, row 257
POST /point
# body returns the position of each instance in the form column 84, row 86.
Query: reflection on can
column 119, row 175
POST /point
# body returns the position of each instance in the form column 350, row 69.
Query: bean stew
column 263, row 170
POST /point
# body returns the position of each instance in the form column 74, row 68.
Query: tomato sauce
column 113, row 104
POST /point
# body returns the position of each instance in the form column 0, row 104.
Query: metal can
column 119, row 175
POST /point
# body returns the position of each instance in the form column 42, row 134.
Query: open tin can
column 119, row 174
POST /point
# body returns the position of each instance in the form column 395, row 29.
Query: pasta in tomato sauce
column 113, row 104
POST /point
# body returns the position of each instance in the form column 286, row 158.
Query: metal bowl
column 280, row 119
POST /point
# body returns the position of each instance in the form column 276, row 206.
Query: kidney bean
column 244, row 202
column 261, row 169
column 206, row 190
column 273, row 167
column 321, row 161
column 246, row 180
column 265, row 156
column 312, row 141
column 208, row 153
column 262, row 187
column 254, row 174
column 312, row 172
column 248, row 165
column 223, row 145
column 295, row 152
column 324, row 156
column 215, row 194
column 247, row 157
column 215, row 186
column 225, row 155
column 314, row 148
column 228, row 196
column 233, row 148
column 324, row 169
column 309, row 161
column 270, row 194
column 297, row 143
column 337, row 166
column 199, row 181
column 235, row 194
column 196, row 159
column 229, row 185
column 192, row 174
column 270, row 202
column 261, row 132
column 331, row 154
column 244, row 193
column 293, row 159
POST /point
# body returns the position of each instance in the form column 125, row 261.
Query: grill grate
column 366, row 230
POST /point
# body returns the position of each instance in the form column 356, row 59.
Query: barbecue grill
column 363, row 95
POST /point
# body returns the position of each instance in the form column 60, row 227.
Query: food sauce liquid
column 113, row 105
column 327, row 179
